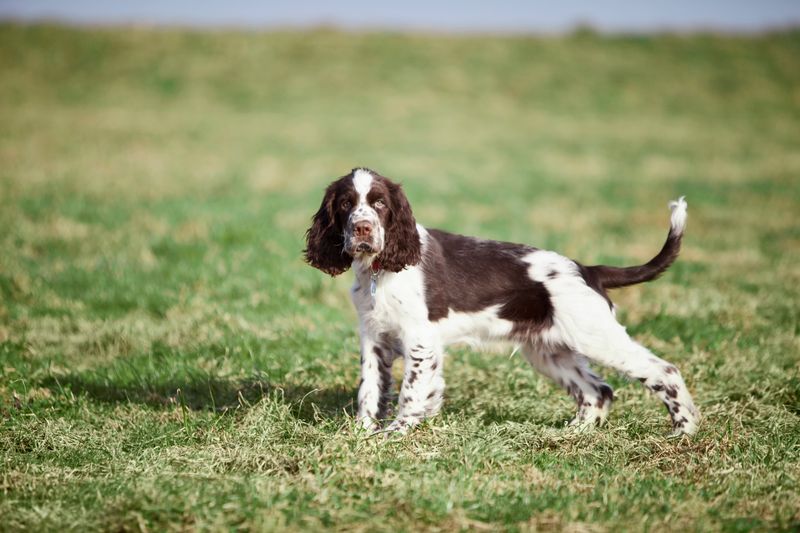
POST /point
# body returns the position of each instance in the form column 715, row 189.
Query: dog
column 418, row 290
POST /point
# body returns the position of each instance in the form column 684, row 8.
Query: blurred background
column 159, row 166
column 502, row 16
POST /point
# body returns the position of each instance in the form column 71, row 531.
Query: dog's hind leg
column 661, row 377
column 571, row 371
column 584, row 322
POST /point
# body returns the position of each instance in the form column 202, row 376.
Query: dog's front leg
column 376, row 381
column 423, row 385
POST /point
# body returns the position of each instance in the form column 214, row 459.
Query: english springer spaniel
column 418, row 290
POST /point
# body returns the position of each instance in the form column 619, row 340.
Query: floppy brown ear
column 402, row 246
column 325, row 241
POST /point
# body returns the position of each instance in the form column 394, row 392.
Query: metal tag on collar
column 373, row 277
column 373, row 283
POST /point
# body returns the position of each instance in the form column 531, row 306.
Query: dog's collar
column 376, row 266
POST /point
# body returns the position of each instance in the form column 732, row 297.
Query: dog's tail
column 611, row 277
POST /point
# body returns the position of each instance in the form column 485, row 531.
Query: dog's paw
column 367, row 424
column 399, row 427
column 582, row 425
column 588, row 419
column 684, row 426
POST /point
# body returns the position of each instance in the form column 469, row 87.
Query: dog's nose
column 363, row 229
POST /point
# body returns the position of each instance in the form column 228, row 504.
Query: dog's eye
column 346, row 205
column 379, row 204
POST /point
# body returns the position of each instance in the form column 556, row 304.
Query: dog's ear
column 325, row 240
column 402, row 247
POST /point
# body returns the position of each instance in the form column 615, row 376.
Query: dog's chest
column 390, row 302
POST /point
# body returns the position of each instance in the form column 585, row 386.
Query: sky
column 501, row 16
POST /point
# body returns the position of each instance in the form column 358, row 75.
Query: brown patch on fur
column 467, row 274
column 606, row 394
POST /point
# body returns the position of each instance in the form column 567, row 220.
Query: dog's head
column 363, row 217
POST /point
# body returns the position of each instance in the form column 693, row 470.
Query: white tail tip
column 678, row 217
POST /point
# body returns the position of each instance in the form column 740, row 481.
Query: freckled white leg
column 376, row 383
column 665, row 381
column 571, row 371
column 607, row 342
column 584, row 323
column 661, row 377
column 422, row 391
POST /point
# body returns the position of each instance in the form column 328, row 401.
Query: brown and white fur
column 418, row 290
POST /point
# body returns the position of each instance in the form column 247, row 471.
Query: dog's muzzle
column 363, row 238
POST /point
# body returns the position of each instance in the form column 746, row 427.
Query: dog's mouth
column 362, row 248
column 365, row 248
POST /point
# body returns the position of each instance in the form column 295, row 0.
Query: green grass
column 167, row 361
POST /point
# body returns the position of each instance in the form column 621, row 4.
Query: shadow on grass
column 208, row 393
column 497, row 416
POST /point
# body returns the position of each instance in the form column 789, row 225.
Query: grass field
column 167, row 361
